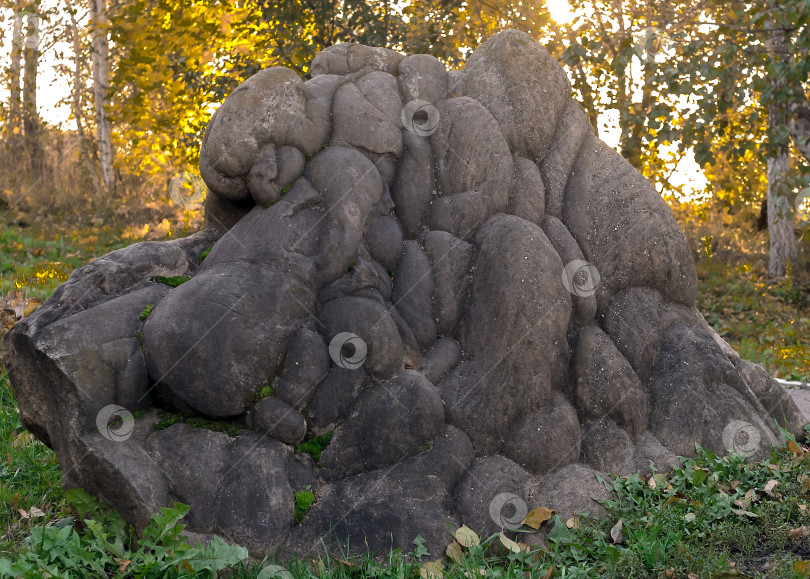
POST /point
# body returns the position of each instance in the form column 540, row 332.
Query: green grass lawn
column 715, row 517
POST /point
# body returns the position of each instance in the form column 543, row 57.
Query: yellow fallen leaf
column 572, row 523
column 467, row 537
column 537, row 517
column 794, row 448
column 454, row 551
column 509, row 543
column 802, row 567
column 432, row 570
column 122, row 564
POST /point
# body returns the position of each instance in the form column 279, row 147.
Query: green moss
column 145, row 313
column 203, row 255
column 285, row 189
column 172, row 281
column 314, row 446
column 303, row 502
column 390, row 272
column 352, row 264
column 269, row 203
column 307, row 158
column 169, row 418
column 139, row 413
column 230, row 428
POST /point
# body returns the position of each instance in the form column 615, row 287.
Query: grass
column 714, row 517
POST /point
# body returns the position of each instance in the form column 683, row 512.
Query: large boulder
column 430, row 299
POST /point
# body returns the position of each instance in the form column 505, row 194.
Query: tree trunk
column 101, row 84
column 14, row 75
column 87, row 156
column 30, row 116
column 783, row 248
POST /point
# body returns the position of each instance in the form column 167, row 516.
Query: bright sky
column 52, row 88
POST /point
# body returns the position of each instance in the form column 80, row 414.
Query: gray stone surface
column 432, row 298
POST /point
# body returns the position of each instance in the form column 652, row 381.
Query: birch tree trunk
column 783, row 248
column 14, row 73
column 30, row 115
column 87, row 155
column 99, row 49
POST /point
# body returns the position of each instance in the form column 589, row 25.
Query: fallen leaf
column 509, row 543
column 23, row 513
column 122, row 564
column 692, row 576
column 800, row 532
column 35, row 512
column 689, row 517
column 537, row 517
column 572, row 523
column 616, row 532
column 673, row 499
column 742, row 504
column 745, row 513
column 432, row 570
column 550, row 571
column 769, row 486
column 454, row 551
column 467, row 537
column 794, row 448
column 802, row 567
